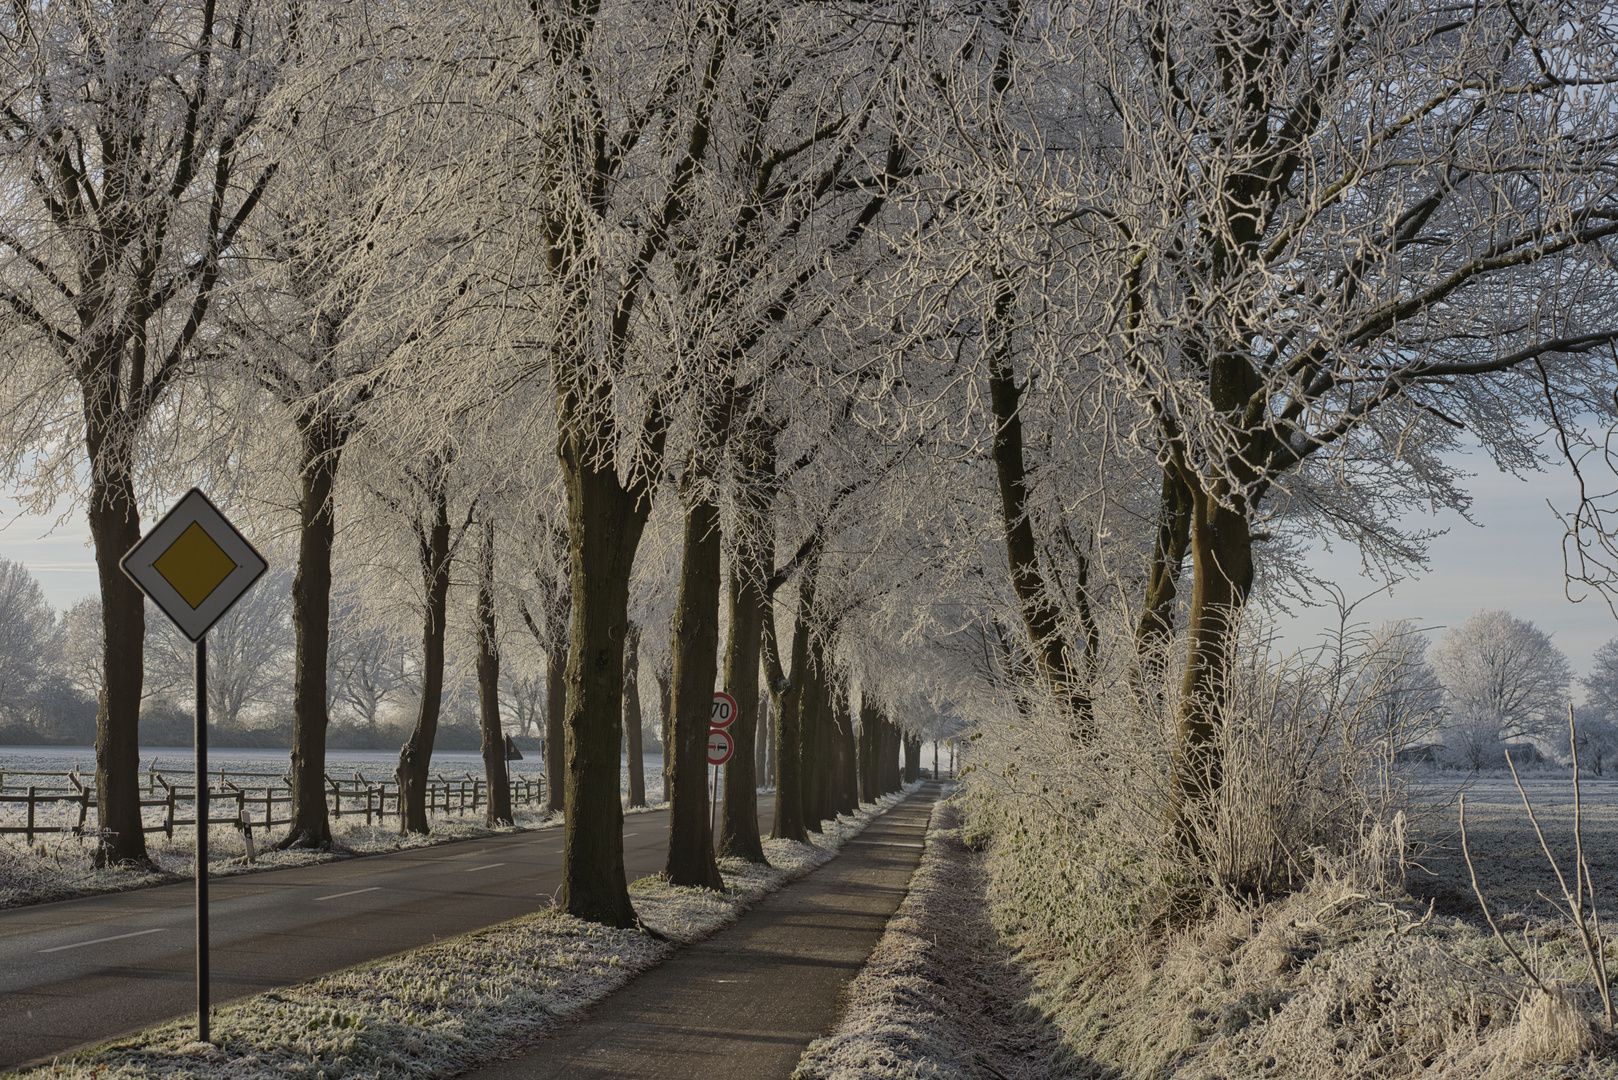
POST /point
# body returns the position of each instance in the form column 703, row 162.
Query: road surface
column 79, row 972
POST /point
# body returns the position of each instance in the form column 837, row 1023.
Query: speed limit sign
column 724, row 710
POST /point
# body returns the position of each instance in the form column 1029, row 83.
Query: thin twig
column 1478, row 892
column 1543, row 846
column 1575, row 907
column 1598, row 954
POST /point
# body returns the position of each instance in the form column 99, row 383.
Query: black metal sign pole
column 202, row 839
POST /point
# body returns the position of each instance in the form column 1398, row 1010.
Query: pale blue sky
column 1511, row 560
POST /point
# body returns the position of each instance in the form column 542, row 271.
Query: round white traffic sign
column 724, row 710
column 720, row 746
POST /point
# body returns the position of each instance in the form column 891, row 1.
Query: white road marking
column 351, row 892
column 104, row 940
column 627, row 835
column 491, row 866
column 888, row 843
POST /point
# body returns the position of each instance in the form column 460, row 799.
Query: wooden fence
column 253, row 804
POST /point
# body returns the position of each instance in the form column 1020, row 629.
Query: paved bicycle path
column 745, row 1003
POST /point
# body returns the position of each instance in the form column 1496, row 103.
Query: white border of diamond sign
column 137, row 565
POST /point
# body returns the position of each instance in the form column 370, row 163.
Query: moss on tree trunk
column 115, row 528
column 311, row 627
column 488, row 672
column 695, row 649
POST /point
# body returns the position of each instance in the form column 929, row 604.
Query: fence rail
column 255, row 805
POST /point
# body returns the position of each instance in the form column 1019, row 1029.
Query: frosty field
column 1511, row 867
column 59, row 864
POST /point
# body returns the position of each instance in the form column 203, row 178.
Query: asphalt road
column 79, row 972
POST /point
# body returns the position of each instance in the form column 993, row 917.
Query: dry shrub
column 1308, row 744
column 1288, row 949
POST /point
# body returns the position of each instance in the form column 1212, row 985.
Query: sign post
column 723, row 714
column 194, row 566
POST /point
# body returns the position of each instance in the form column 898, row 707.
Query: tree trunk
column 891, row 779
column 695, row 649
column 784, row 695
column 555, row 728
column 665, row 723
column 825, row 788
column 847, row 758
column 1156, row 626
column 115, row 528
column 311, row 626
column 870, row 752
column 1041, row 616
column 912, row 745
column 488, row 671
column 605, row 521
column 415, row 757
column 1222, row 577
column 634, row 753
column 738, row 819
column 762, row 766
column 809, row 699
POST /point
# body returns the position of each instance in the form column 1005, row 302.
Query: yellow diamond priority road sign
column 194, row 564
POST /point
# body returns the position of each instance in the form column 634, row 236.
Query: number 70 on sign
column 724, row 710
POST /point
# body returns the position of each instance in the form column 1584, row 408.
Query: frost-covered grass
column 1264, row 926
column 1346, row 976
column 1349, row 976
column 940, row 998
column 439, row 1010
column 59, row 865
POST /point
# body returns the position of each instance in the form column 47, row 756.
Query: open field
column 59, row 864
column 1511, row 868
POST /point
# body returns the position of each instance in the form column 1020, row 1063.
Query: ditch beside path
column 745, row 1003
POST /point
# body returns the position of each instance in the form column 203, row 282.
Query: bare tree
column 365, row 666
column 488, row 675
column 125, row 135
column 31, row 640
column 1309, row 246
column 1503, row 680
column 249, row 650
column 436, row 537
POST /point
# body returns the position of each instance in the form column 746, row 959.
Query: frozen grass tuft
column 1284, row 942
column 940, row 998
column 442, row 1009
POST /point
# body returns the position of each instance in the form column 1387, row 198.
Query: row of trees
column 929, row 358
column 51, row 666
column 1492, row 682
